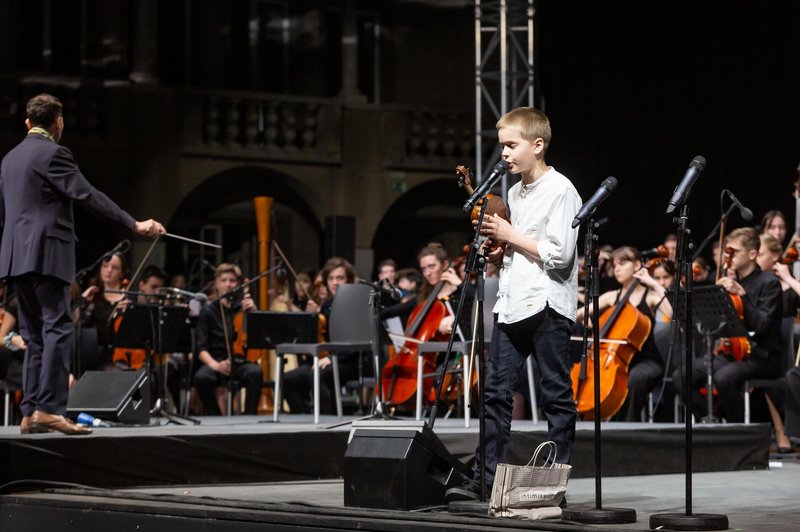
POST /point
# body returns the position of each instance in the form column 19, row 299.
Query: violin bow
column 135, row 276
column 289, row 266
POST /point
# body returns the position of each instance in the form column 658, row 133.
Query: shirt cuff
column 546, row 254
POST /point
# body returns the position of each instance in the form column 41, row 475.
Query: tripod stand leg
column 532, row 391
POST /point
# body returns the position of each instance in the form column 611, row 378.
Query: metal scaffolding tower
column 503, row 72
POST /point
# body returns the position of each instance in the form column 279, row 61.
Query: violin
column 661, row 258
column 133, row 358
column 628, row 328
column 790, row 256
column 495, row 204
column 738, row 348
column 237, row 346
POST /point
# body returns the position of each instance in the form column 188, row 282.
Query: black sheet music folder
column 266, row 328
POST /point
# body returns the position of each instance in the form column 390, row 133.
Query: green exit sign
column 399, row 185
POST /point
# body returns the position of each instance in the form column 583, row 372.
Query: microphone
column 199, row 296
column 746, row 213
column 122, row 247
column 681, row 193
column 588, row 208
column 210, row 266
column 498, row 171
column 391, row 290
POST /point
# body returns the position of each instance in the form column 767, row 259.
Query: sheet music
column 394, row 326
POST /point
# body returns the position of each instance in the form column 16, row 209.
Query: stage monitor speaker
column 118, row 396
column 399, row 466
column 340, row 237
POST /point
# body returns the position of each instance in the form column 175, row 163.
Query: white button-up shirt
column 543, row 211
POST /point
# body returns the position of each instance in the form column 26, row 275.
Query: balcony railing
column 252, row 126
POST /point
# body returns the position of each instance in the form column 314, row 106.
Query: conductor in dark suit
column 39, row 182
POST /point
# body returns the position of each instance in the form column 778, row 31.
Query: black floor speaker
column 398, row 465
column 119, row 396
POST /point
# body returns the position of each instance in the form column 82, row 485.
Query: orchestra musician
column 760, row 293
column 701, row 272
column 299, row 381
column 769, row 260
column 387, row 269
column 774, row 224
column 215, row 336
column 538, row 293
column 39, row 182
column 649, row 297
column 12, row 346
column 100, row 301
column 408, row 283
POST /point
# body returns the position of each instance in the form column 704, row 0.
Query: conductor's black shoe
column 468, row 491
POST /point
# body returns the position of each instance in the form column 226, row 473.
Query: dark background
column 637, row 89
column 633, row 89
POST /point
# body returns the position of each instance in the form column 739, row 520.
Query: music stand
column 267, row 328
column 157, row 328
column 714, row 317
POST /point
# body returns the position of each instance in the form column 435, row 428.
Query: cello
column 399, row 375
column 623, row 332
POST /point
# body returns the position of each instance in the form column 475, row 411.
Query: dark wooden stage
column 244, row 473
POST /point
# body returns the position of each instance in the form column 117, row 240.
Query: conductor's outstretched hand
column 149, row 228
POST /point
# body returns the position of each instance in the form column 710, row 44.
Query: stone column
column 145, row 54
column 350, row 92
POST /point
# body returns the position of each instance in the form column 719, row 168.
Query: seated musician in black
column 12, row 346
column 215, row 336
column 761, row 299
column 646, row 368
column 441, row 283
column 101, row 303
column 299, row 381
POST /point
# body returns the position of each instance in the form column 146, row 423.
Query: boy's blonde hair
column 532, row 123
column 747, row 236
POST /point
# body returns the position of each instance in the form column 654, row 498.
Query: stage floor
column 249, row 469
column 762, row 500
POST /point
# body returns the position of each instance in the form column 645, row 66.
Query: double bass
column 623, row 332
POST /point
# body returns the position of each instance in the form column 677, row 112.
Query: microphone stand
column 475, row 262
column 688, row 520
column 379, row 408
column 714, row 232
column 598, row 514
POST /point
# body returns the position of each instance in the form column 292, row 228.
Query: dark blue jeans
column 545, row 336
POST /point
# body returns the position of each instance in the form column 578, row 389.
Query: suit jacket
column 39, row 182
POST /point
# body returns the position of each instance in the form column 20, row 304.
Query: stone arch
column 428, row 212
column 225, row 199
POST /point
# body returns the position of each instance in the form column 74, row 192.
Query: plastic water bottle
column 86, row 419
